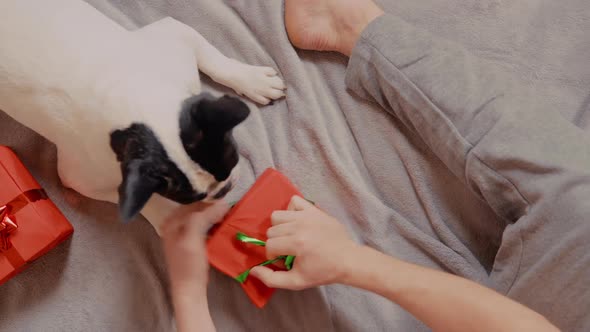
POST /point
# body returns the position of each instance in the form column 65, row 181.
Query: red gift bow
column 8, row 223
column 7, row 226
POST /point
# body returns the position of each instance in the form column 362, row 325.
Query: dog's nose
column 223, row 191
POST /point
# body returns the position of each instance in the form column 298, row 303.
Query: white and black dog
column 125, row 108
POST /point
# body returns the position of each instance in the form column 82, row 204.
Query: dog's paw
column 261, row 84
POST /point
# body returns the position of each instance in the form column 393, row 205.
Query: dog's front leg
column 261, row 84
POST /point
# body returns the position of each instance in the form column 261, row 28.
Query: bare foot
column 328, row 25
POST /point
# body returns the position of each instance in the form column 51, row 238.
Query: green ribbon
column 247, row 239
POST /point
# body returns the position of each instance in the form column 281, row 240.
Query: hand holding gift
column 301, row 231
column 237, row 244
column 275, row 236
column 183, row 236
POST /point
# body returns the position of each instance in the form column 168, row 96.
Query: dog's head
column 195, row 166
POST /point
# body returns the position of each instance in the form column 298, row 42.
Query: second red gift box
column 30, row 224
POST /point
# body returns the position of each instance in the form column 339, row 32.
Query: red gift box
column 30, row 224
column 272, row 191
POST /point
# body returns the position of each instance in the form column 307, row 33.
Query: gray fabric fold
column 436, row 175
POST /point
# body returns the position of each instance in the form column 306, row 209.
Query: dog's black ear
column 219, row 115
column 134, row 147
column 135, row 190
column 127, row 143
column 206, row 125
column 118, row 143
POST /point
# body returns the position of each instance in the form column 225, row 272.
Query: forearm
column 192, row 311
column 442, row 301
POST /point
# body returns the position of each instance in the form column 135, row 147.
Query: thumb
column 276, row 279
column 299, row 204
column 212, row 214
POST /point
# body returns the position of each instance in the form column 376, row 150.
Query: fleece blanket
column 358, row 162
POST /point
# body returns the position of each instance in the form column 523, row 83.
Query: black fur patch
column 146, row 170
column 206, row 125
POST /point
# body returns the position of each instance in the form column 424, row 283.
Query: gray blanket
column 357, row 161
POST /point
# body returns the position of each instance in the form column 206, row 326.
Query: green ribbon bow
column 247, row 239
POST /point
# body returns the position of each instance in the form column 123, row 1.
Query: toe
column 277, row 83
column 275, row 93
column 268, row 71
column 261, row 99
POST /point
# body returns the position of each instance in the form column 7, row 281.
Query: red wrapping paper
column 272, row 191
column 30, row 224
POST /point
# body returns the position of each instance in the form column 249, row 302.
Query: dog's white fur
column 73, row 75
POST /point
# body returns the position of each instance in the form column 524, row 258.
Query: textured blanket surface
column 348, row 155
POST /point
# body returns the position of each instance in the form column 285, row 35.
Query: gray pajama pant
column 530, row 165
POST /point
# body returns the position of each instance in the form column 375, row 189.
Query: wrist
column 187, row 292
column 187, row 304
column 367, row 267
column 192, row 312
column 353, row 264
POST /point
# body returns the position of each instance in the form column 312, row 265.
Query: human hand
column 319, row 241
column 184, row 234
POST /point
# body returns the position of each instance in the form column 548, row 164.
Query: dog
column 125, row 108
